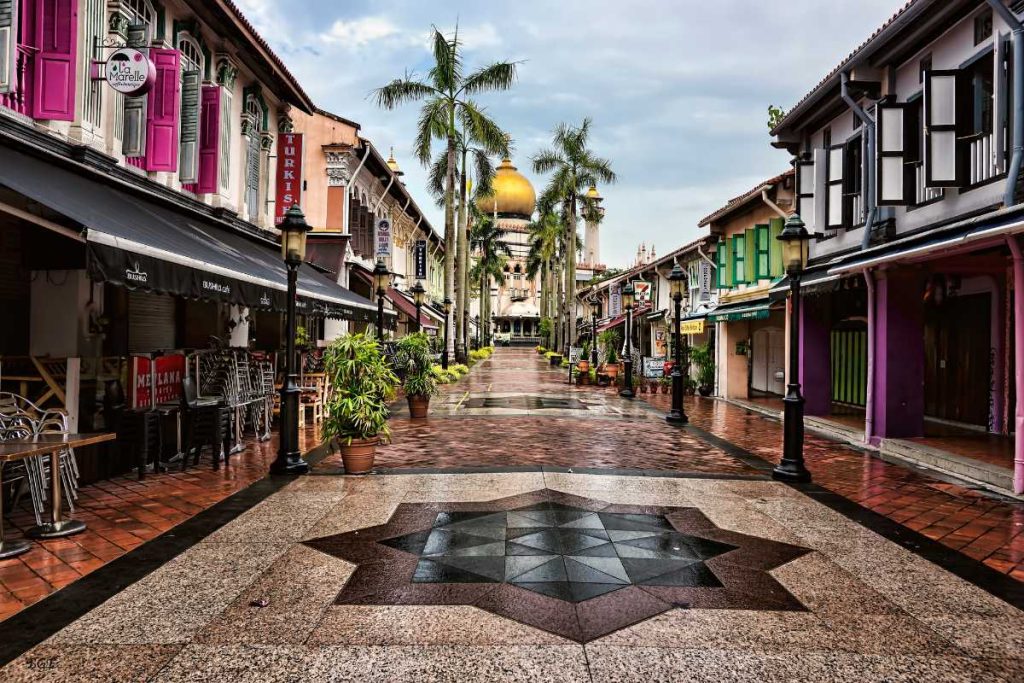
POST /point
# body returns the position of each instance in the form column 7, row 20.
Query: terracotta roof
column 304, row 100
column 742, row 199
column 843, row 64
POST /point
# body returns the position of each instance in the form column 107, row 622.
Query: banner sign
column 707, row 279
column 420, row 258
column 289, row 174
column 643, row 292
column 691, row 327
column 615, row 302
column 383, row 238
column 130, row 72
column 653, row 367
column 167, row 375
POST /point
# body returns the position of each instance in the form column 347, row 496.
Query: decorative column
column 815, row 357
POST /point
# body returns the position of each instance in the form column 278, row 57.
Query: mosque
column 515, row 304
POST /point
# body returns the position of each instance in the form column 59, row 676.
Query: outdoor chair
column 206, row 422
column 138, row 431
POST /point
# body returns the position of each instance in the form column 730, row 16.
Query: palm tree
column 546, row 238
column 447, row 105
column 488, row 241
column 574, row 168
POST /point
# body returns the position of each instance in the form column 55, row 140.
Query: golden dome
column 393, row 165
column 513, row 193
column 592, row 193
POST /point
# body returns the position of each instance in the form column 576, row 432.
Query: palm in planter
column 420, row 382
column 357, row 411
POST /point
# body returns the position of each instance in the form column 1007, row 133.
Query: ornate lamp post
column 418, row 294
column 677, row 283
column 381, row 282
column 795, row 239
column 628, row 297
column 444, row 352
column 595, row 311
column 293, row 249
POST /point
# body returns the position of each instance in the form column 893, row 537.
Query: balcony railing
column 985, row 160
column 922, row 193
column 20, row 100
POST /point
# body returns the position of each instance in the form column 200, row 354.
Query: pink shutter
column 55, row 79
column 209, row 139
column 162, row 112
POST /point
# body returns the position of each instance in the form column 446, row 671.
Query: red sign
column 289, row 173
column 170, row 370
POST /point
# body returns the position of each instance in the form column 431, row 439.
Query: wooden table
column 39, row 445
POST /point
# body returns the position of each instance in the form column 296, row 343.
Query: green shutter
column 775, row 247
column 750, row 257
column 739, row 253
column 724, row 271
column 763, row 268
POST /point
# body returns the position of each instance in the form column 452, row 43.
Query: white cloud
column 359, row 32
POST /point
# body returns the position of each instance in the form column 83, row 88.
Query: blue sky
column 677, row 89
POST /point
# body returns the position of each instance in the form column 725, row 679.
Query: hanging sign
column 642, row 291
column 615, row 302
column 691, row 327
column 420, row 258
column 383, row 237
column 130, row 72
column 705, row 281
column 289, row 174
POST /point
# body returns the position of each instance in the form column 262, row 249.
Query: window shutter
column 54, row 72
column 805, row 192
column 834, row 184
column 820, row 221
column 775, row 247
column 224, row 168
column 1000, row 104
column 191, row 85
column 8, row 45
column 942, row 121
column 739, row 255
column 750, row 255
column 893, row 140
column 722, row 256
column 209, row 139
column 162, row 115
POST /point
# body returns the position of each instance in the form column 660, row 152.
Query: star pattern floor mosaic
column 591, row 567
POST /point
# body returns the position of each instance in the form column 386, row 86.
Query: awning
column 814, row 281
column 747, row 310
column 143, row 245
column 405, row 305
column 618, row 320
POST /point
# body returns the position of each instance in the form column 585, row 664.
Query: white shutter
column 805, row 191
column 1000, row 104
column 820, row 187
column 191, row 86
column 8, row 45
column 834, row 185
column 133, row 144
column 941, row 162
column 892, row 144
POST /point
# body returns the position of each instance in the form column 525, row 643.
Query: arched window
column 192, row 65
column 252, row 127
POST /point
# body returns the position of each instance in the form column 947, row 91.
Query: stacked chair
column 138, row 431
column 205, row 422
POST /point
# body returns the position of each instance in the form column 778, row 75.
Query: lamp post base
column 677, row 418
column 627, row 393
column 290, row 465
column 792, row 468
column 788, row 471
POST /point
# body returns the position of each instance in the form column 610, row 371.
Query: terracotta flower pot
column 583, row 365
column 358, row 455
column 665, row 388
column 418, row 406
column 611, row 369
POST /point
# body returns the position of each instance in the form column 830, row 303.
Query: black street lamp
column 628, row 297
column 795, row 240
column 595, row 311
column 677, row 283
column 381, row 282
column 418, row 294
column 447, row 312
column 293, row 249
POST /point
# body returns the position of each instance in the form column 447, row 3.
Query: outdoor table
column 52, row 445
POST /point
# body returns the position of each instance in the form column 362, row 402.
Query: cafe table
column 45, row 445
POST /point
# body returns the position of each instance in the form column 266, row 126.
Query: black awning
column 139, row 244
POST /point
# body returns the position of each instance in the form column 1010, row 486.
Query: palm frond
column 430, row 126
column 400, row 91
column 447, row 70
column 436, row 178
column 547, row 160
column 497, row 76
column 482, row 129
column 483, row 170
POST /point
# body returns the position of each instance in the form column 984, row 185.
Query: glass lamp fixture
column 676, row 281
column 418, row 293
column 381, row 278
column 795, row 241
column 293, row 235
column 628, row 296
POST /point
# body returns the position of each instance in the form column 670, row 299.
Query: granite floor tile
column 89, row 663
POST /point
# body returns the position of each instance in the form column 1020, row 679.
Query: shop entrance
column 957, row 371
column 767, row 369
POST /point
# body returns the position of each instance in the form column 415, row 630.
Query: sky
column 677, row 90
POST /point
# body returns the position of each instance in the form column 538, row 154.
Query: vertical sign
column 615, row 302
column 383, row 238
column 705, row 281
column 420, row 257
column 642, row 289
column 289, row 174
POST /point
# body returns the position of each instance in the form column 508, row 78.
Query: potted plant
column 642, row 383
column 357, row 411
column 702, row 358
column 611, row 365
column 414, row 357
column 665, row 383
column 584, row 362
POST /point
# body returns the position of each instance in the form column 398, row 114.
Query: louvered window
column 253, row 157
column 192, row 63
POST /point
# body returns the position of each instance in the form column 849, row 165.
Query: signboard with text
column 615, row 302
column 167, row 375
column 382, row 236
column 420, row 258
column 289, row 174
column 642, row 291
column 706, row 281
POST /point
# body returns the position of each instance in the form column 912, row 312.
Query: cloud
column 360, row 32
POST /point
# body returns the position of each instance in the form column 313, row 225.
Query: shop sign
column 615, row 302
column 691, row 327
column 289, row 174
column 167, row 374
column 653, row 367
column 383, row 238
column 642, row 291
column 421, row 259
column 706, row 277
column 130, row 72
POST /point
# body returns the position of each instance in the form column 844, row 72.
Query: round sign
column 130, row 72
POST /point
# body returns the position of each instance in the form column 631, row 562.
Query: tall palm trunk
column 560, row 304
column 570, row 273
column 450, row 247
column 462, row 264
column 484, row 305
